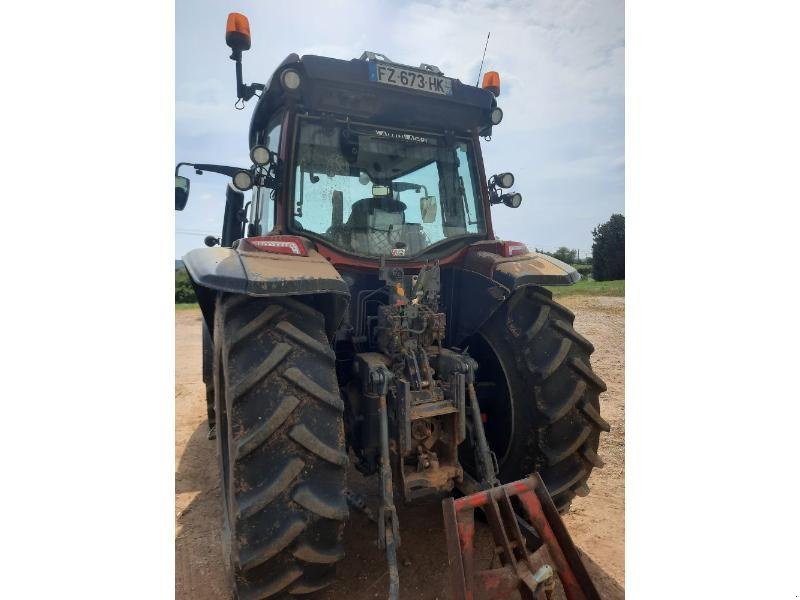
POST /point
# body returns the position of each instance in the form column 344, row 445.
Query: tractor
column 359, row 311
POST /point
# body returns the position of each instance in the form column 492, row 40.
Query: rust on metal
column 518, row 571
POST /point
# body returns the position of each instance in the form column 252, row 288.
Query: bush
column 566, row 255
column 571, row 256
column 184, row 292
column 584, row 270
column 608, row 250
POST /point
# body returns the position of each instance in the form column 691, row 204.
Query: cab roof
column 344, row 88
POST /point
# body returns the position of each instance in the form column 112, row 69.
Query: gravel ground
column 596, row 522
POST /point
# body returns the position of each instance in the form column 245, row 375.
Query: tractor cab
column 374, row 158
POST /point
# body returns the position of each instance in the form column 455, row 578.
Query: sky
column 561, row 65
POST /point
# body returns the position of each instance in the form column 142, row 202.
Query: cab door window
column 263, row 199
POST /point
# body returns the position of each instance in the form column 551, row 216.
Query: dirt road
column 597, row 522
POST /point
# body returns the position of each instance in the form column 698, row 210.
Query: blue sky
column 561, row 65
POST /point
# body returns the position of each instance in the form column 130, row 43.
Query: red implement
column 518, row 570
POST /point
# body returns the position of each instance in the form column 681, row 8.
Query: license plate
column 410, row 78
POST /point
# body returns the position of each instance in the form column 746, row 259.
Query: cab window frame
column 261, row 196
column 482, row 222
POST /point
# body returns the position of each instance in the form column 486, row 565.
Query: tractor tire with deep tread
column 554, row 423
column 281, row 447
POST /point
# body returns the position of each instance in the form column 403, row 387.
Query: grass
column 589, row 287
column 585, row 287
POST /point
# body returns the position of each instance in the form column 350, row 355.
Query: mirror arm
column 221, row 169
column 268, row 180
column 198, row 167
column 181, row 164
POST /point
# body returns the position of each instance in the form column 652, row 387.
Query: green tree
column 608, row 249
column 563, row 254
column 184, row 292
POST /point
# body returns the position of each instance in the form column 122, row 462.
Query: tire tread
column 286, row 460
column 556, row 428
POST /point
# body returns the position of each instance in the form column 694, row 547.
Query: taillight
column 277, row 244
column 513, row 249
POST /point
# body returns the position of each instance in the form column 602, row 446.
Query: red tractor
column 359, row 310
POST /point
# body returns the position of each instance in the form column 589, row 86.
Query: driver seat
column 377, row 225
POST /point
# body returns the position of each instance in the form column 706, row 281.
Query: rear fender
column 488, row 279
column 311, row 279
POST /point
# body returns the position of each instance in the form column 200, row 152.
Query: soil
column 596, row 522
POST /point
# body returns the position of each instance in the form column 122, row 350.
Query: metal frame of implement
column 517, row 571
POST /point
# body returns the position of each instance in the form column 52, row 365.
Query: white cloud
column 559, row 62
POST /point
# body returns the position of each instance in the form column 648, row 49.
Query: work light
column 505, row 180
column 243, row 181
column 496, row 115
column 260, row 155
column 290, row 79
column 512, row 200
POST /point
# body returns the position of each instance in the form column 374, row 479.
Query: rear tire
column 539, row 394
column 208, row 377
column 281, row 447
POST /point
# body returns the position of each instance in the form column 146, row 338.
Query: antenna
column 477, row 82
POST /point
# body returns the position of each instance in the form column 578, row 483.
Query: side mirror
column 181, row 192
column 427, row 207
